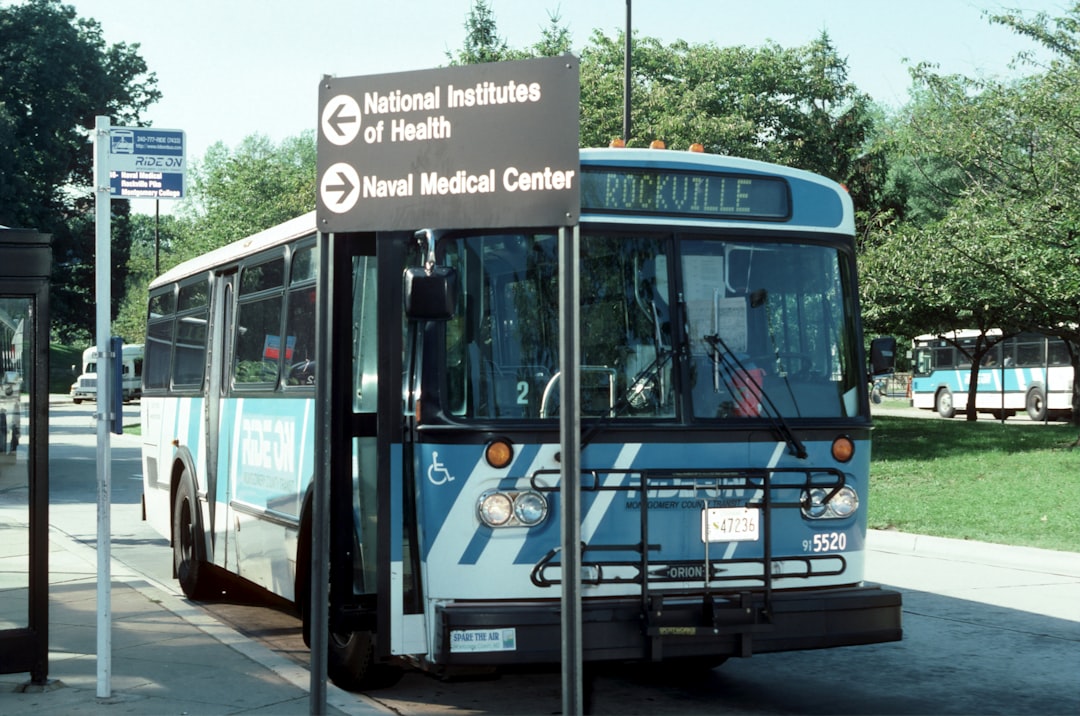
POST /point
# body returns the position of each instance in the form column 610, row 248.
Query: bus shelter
column 25, row 263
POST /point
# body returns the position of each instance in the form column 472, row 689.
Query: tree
column 236, row 193
column 482, row 40
column 147, row 232
column 1002, row 157
column 58, row 75
column 554, row 38
column 789, row 106
column 232, row 194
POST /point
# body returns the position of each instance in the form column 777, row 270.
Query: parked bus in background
column 724, row 409
column 85, row 385
column 1027, row 371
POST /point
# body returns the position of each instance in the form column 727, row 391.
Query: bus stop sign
column 475, row 146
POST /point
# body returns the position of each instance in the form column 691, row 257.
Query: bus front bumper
column 678, row 627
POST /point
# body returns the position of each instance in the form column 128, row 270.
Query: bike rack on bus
column 726, row 593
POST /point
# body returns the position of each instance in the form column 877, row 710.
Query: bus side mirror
column 430, row 294
column 882, row 355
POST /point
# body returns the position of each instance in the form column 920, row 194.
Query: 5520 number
column 826, row 542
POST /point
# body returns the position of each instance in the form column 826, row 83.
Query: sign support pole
column 103, row 293
column 570, row 477
column 320, row 504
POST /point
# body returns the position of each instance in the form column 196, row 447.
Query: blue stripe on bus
column 476, row 546
column 605, row 512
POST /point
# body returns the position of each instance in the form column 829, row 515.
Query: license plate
column 730, row 524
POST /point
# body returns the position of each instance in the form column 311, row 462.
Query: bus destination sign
column 686, row 193
column 476, row 146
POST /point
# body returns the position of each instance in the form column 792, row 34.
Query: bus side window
column 300, row 331
column 257, row 341
column 258, row 345
column 190, row 339
column 158, row 350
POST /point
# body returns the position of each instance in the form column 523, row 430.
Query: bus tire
column 351, row 663
column 189, row 563
column 943, row 403
column 1036, row 404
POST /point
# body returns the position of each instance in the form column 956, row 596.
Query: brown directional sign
column 476, row 146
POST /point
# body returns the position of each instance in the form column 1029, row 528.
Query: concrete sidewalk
column 1038, row 581
column 167, row 656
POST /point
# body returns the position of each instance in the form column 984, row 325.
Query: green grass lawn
column 61, row 358
column 1017, row 483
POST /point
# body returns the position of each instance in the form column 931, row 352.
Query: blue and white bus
column 724, row 409
column 1022, row 372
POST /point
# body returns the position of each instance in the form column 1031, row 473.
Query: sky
column 228, row 69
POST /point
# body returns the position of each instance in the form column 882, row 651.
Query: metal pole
column 1046, row 378
column 626, row 78
column 1002, row 368
column 103, row 296
column 320, row 504
column 570, row 477
column 157, row 238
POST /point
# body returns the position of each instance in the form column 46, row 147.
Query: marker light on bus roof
column 657, row 144
column 697, row 147
column 617, row 143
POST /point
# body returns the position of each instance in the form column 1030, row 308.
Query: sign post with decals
column 129, row 163
column 480, row 146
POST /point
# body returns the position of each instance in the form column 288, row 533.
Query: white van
column 85, row 386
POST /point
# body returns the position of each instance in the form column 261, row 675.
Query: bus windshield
column 672, row 328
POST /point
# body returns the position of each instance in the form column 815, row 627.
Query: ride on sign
column 146, row 163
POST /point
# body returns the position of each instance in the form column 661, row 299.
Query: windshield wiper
column 728, row 364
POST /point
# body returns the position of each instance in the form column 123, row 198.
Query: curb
column 1029, row 559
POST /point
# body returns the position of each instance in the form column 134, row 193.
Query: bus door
column 220, row 339
column 372, row 470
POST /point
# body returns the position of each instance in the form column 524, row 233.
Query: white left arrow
column 341, row 120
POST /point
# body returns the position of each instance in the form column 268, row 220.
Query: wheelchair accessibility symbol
column 437, row 473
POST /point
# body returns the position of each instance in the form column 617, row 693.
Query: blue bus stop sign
column 146, row 163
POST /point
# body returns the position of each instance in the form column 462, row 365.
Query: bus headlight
column 530, row 508
column 496, row 508
column 843, row 504
column 813, row 503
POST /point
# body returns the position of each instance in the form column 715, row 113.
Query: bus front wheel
column 1036, row 404
column 943, row 403
column 189, row 565
column 351, row 663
